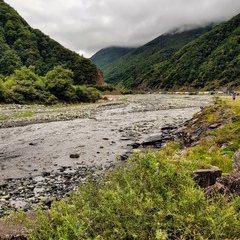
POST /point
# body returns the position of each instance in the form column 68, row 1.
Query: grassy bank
column 154, row 196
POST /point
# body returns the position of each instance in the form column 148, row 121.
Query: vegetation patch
column 23, row 114
column 149, row 199
column 24, row 86
column 153, row 196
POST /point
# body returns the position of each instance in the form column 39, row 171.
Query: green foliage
column 103, row 88
column 209, row 154
column 1, row 90
column 23, row 114
column 122, row 89
column 9, row 62
column 216, row 147
column 130, row 67
column 87, row 94
column 59, row 83
column 209, row 62
column 20, row 45
column 149, row 199
column 24, row 86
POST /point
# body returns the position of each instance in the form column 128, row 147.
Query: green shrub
column 24, row 86
column 93, row 94
column 1, row 89
column 149, row 199
column 59, row 83
column 87, row 94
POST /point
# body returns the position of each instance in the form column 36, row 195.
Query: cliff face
column 100, row 78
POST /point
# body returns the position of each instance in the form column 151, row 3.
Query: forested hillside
column 21, row 45
column 130, row 67
column 210, row 62
column 36, row 69
column 108, row 55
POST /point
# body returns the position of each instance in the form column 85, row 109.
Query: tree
column 25, row 86
column 9, row 62
column 59, row 83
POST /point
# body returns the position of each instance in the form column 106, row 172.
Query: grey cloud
column 86, row 26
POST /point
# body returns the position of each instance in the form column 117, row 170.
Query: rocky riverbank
column 45, row 156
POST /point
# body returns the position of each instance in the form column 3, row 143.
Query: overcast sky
column 86, row 26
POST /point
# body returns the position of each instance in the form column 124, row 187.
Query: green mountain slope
column 108, row 55
column 129, row 68
column 210, row 62
column 21, row 45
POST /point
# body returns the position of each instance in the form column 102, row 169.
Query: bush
column 59, row 83
column 149, row 199
column 93, row 94
column 1, row 89
column 87, row 94
column 24, row 86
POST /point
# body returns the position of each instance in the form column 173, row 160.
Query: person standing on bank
column 234, row 97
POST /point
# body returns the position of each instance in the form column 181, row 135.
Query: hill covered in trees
column 200, row 59
column 35, row 68
column 209, row 62
column 21, row 45
column 130, row 67
column 107, row 55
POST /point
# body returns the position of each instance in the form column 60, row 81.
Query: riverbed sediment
column 46, row 155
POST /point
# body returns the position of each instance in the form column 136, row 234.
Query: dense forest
column 129, row 68
column 29, row 59
column 210, row 62
column 107, row 55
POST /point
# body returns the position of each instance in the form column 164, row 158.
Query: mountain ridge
column 129, row 67
column 107, row 55
column 210, row 62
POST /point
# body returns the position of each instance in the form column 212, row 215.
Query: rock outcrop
column 100, row 78
column 207, row 177
column 236, row 162
column 229, row 184
column 193, row 130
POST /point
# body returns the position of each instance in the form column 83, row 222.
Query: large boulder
column 236, row 162
column 229, row 184
column 207, row 177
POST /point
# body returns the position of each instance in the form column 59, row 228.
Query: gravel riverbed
column 46, row 155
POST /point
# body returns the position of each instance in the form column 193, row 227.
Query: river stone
column 20, row 204
column 152, row 138
column 226, row 185
column 74, row 155
column 214, row 125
